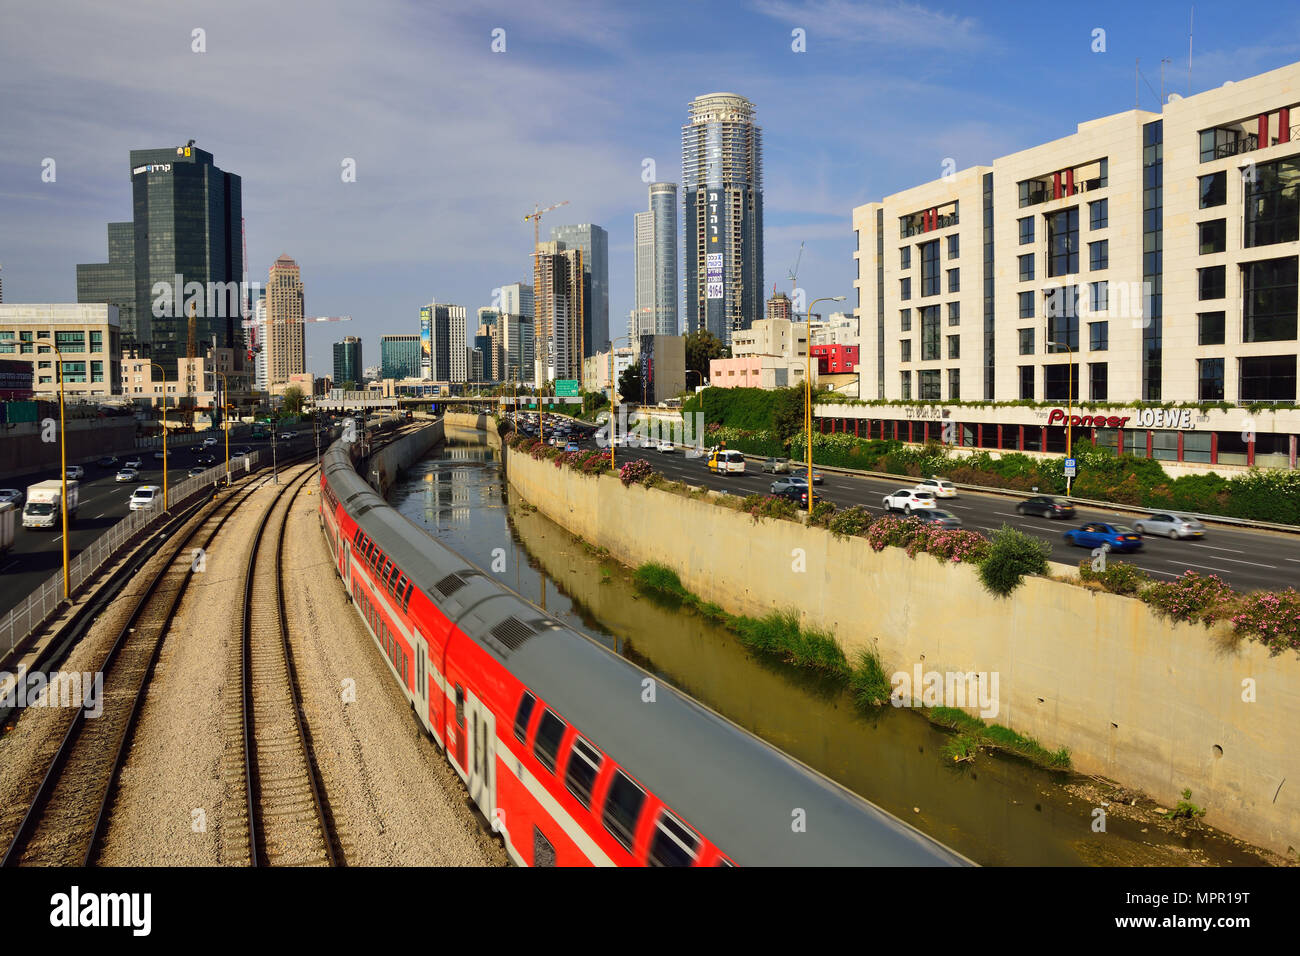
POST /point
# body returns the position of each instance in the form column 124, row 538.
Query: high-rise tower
column 285, row 345
column 594, row 242
column 722, row 184
column 656, row 259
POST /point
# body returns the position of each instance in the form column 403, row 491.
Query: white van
column 145, row 497
column 727, row 461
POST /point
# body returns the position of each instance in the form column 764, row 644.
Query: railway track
column 63, row 823
column 290, row 821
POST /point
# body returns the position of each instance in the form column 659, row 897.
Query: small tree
column 629, row 383
column 1013, row 554
column 293, row 399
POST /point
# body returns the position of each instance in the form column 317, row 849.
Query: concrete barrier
column 386, row 463
column 1152, row 705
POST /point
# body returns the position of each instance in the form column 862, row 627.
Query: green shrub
column 850, row 522
column 1118, row 578
column 769, row 506
column 779, row 633
column 1191, row 597
column 1012, row 555
column 869, row 685
column 659, row 579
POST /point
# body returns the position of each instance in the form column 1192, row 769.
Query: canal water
column 999, row 810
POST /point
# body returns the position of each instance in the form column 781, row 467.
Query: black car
column 944, row 519
column 798, row 494
column 1046, row 506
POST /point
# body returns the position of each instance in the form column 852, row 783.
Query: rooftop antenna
column 1137, row 71
column 1163, row 61
column 1191, row 22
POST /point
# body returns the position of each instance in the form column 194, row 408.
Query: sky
column 454, row 142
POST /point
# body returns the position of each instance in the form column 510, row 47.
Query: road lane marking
column 101, row 514
column 1009, row 514
column 1296, row 560
column 1203, row 567
column 1197, row 544
column 1253, row 564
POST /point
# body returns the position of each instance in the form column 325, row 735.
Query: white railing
column 20, row 621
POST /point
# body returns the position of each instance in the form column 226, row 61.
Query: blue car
column 1097, row 533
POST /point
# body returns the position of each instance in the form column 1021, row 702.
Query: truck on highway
column 44, row 508
column 7, row 515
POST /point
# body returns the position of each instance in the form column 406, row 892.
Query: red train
column 574, row 754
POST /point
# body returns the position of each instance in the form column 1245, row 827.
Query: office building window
column 1099, row 296
column 954, row 346
column 954, row 280
column 96, row 371
column 1209, row 380
column 1267, row 378
column 905, row 319
column 1098, row 336
column 929, row 333
column 930, row 268
column 1027, row 382
column 1099, row 255
column 1026, row 305
column 1026, row 266
column 929, row 385
column 905, row 350
column 96, row 341
column 1026, row 230
column 1211, row 327
column 1062, row 319
column 1060, row 381
column 905, row 289
column 1098, row 214
column 953, row 247
column 1026, row 341
column 1063, row 242
column 1210, row 282
column 954, row 385
column 1269, row 300
column 954, row 313
column 906, row 380
column 1098, row 381
column 1214, row 189
column 1273, row 203
column 1212, row 236
column 905, row 257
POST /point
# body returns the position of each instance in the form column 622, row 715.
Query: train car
column 575, row 755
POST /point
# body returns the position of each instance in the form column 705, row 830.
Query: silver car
column 1166, row 524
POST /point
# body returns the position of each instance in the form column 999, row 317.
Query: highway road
column 37, row 552
column 1246, row 559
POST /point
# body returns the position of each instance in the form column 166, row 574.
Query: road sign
column 566, row 388
column 1071, row 467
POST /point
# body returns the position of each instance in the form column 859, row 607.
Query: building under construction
column 557, row 311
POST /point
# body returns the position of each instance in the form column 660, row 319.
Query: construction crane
column 540, row 338
column 793, row 275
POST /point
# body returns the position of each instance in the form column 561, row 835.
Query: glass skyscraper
column 656, row 260
column 399, row 356
column 722, row 234
column 347, row 362
column 594, row 242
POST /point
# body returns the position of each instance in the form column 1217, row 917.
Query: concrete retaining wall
column 22, row 451
column 482, row 423
column 388, row 461
column 1152, row 705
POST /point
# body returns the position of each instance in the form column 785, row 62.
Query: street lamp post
column 63, row 459
column 163, row 403
column 1069, row 403
column 613, row 391
column 807, row 384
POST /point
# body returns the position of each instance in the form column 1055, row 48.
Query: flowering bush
column 1192, row 597
column 768, row 506
column 850, row 522
column 1272, row 618
column 890, row 531
column 950, row 544
column 637, row 472
column 592, row 462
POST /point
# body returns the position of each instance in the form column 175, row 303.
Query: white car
column 939, row 487
column 907, row 500
column 288, row 436
column 76, row 472
column 666, row 447
column 209, row 441
column 144, row 497
column 127, row 474
column 135, row 463
column 13, row 496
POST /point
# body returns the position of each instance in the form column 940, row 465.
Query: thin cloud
column 897, row 28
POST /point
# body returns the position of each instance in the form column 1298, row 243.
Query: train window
column 674, row 843
column 522, row 714
column 460, row 705
column 622, row 807
column 547, row 744
column 407, row 600
column 580, row 774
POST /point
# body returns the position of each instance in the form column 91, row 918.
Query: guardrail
column 20, row 621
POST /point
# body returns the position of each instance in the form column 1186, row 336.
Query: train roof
column 781, row 812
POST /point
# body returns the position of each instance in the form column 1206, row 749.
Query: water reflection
column 997, row 811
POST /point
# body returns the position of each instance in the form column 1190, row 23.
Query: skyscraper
column 259, row 339
column 113, row 283
column 443, row 355
column 558, row 291
column 517, row 348
column 186, row 246
column 517, row 299
column 594, row 243
column 722, row 183
column 656, row 259
column 399, row 356
column 347, row 362
column 285, row 345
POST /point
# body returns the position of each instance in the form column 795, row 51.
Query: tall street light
column 163, row 403
column 807, row 384
column 613, row 392
column 63, row 459
column 1069, row 402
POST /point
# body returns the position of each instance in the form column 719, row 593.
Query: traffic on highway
column 1163, row 544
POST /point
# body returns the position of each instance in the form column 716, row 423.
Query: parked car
column 667, row 447
column 108, row 461
column 1046, row 506
column 944, row 519
column 1169, row 525
column 127, row 474
column 941, row 487
column 134, row 462
column 1094, row 534
column 13, row 496
column 777, row 466
column 145, row 497
column 76, row 472
column 908, row 500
